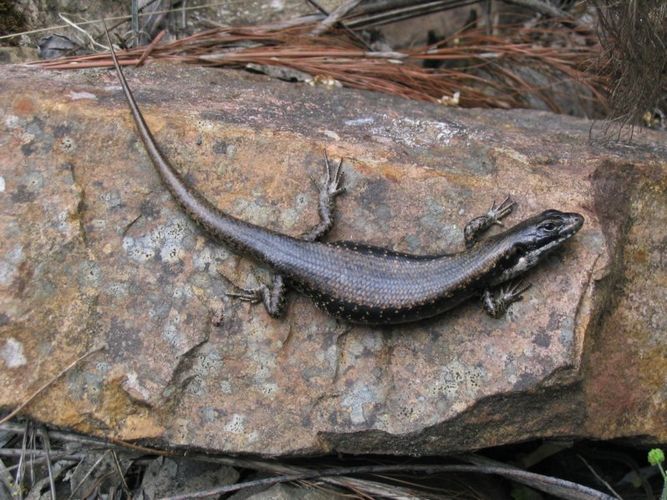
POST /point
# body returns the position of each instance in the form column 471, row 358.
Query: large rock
column 94, row 250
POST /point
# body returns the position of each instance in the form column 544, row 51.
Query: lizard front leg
column 497, row 304
column 331, row 187
column 273, row 295
column 479, row 225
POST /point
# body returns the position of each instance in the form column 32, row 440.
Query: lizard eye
column 549, row 227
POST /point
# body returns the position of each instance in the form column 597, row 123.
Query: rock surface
column 93, row 250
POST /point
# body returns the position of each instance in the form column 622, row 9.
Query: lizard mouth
column 574, row 222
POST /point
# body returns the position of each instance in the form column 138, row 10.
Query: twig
column 36, row 491
column 400, row 11
column 116, row 462
column 90, row 441
column 541, row 7
column 633, row 36
column 184, row 23
column 350, row 32
column 55, row 455
column 564, row 489
column 150, row 47
column 96, row 484
column 47, row 450
column 597, row 476
column 62, row 457
column 90, row 471
column 73, row 25
column 51, row 381
column 134, row 22
column 336, row 15
column 33, row 449
column 20, row 470
column 114, row 18
column 372, row 489
column 6, row 479
column 335, row 476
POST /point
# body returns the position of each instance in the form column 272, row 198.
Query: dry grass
column 633, row 34
column 36, row 462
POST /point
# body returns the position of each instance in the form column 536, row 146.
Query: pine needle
column 483, row 70
column 49, row 383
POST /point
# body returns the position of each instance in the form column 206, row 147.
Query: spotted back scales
column 367, row 284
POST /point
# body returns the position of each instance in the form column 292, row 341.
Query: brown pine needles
column 473, row 69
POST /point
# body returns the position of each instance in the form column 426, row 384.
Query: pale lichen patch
column 9, row 265
column 236, row 424
column 76, row 96
column 12, row 353
column 412, row 132
column 359, row 402
column 12, row 121
column 134, row 388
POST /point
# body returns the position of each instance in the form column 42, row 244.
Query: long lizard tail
column 173, row 180
column 238, row 234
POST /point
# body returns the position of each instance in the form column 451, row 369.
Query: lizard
column 367, row 284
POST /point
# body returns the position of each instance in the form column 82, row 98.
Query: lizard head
column 536, row 236
column 547, row 230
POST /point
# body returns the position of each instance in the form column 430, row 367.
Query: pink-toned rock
column 93, row 250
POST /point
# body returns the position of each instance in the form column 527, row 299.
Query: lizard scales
column 362, row 283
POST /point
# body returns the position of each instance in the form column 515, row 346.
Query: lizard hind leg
column 330, row 188
column 474, row 229
column 272, row 296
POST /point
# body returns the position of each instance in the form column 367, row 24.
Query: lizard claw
column 496, row 305
column 252, row 295
column 272, row 296
column 502, row 210
column 330, row 188
column 478, row 225
column 333, row 181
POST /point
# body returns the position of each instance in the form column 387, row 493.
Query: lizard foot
column 273, row 297
column 252, row 295
column 496, row 305
column 478, row 225
column 502, row 210
column 333, row 179
column 331, row 187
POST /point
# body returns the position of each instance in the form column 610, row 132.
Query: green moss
column 656, row 457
